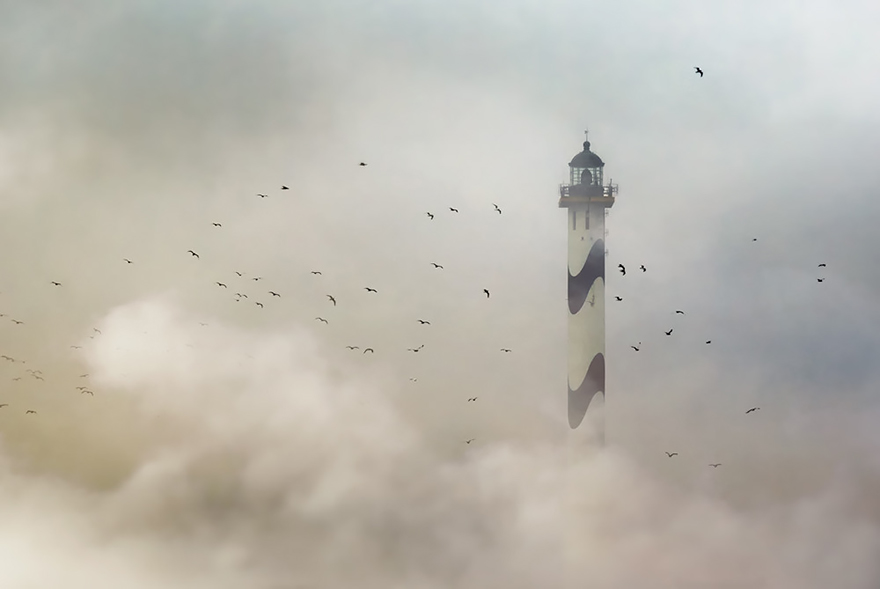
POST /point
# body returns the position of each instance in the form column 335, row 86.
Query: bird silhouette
column 127, row 261
column 260, row 305
column 637, row 348
column 622, row 269
column 315, row 272
column 618, row 298
column 240, row 295
column 263, row 195
column 8, row 358
column 362, row 164
column 423, row 322
column 4, row 405
column 321, row 319
column 30, row 411
column 668, row 332
column 274, row 294
column 193, row 253
column 220, row 284
column 716, row 465
column 642, row 268
column 671, row 454
column 436, row 265
column 76, row 347
column 469, row 441
column 821, row 265
column 486, row 290
column 17, row 378
column 216, row 224
column 332, row 300
column 820, row 279
column 496, row 208
column 679, row 312
column 754, row 239
column 472, row 399
column 415, row 349
column 708, row 341
column 17, row 322
column 353, row 347
column 370, row 350
column 453, row 210
column 81, row 388
column 414, row 380
column 753, row 409
column 56, row 283
column 96, row 330
column 239, row 274
column 699, row 71
column 255, row 278
column 368, row 289
column 87, row 393
column 83, row 375
column 285, row 188
column 506, row 350
column 430, row 216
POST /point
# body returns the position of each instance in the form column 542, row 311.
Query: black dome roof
column 586, row 159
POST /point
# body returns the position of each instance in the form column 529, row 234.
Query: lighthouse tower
column 587, row 200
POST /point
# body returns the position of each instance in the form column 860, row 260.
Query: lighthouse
column 587, row 200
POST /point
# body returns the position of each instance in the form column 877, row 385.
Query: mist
column 185, row 437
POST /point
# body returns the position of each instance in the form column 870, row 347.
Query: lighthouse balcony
column 581, row 194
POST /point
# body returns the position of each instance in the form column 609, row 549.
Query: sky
column 222, row 444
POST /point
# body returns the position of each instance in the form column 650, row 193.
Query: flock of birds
column 240, row 296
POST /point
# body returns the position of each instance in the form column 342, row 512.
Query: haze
column 257, row 451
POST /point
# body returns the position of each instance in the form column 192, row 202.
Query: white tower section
column 586, row 199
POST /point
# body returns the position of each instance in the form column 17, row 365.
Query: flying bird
column 469, row 441
column 753, row 409
column 17, row 322
column 636, row 348
column 30, row 411
column 262, row 195
column 17, row 378
column 353, row 347
column 496, row 208
column 671, row 454
column 453, row 210
column 321, row 319
column 4, row 405
column 193, row 253
column 259, row 304
column 315, row 272
column 87, row 393
column 243, row 296
column 436, row 265
column 680, row 312
column 821, row 265
column 56, row 283
column 370, row 350
column 699, row 71
column 362, row 164
column 754, row 239
column 430, row 215
column 668, row 332
column 8, row 358
column 368, row 289
column 622, row 269
column 220, row 284
column 423, row 322
column 708, row 341
column 716, row 465
column 285, row 188
column 642, row 268
column 506, row 350
column 216, row 224
column 127, row 261
column 83, row 375
column 76, row 347
column 257, row 278
column 332, row 300
column 96, row 330
column 821, row 279
column 274, row 294
column 472, row 399
column 81, row 388
column 414, row 380
column 239, row 273
column 486, row 290
column 618, row 298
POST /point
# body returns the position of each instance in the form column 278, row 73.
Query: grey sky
column 127, row 129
